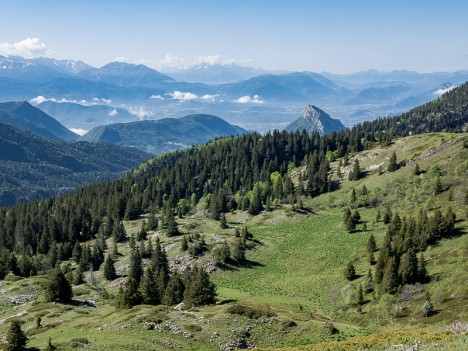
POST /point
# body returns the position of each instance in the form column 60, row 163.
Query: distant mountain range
column 25, row 116
column 164, row 135
column 239, row 94
column 315, row 120
column 216, row 73
column 33, row 167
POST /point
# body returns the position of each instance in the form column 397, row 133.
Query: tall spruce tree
column 200, row 290
column 16, row 338
column 58, row 289
column 392, row 164
column 109, row 268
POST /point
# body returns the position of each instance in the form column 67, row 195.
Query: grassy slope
column 296, row 272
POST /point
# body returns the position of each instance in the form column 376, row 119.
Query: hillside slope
column 33, row 167
column 25, row 116
column 164, row 135
column 291, row 287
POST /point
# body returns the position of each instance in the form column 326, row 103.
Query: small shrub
column 330, row 329
column 250, row 312
column 427, row 308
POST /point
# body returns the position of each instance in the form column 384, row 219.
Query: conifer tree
column 350, row 271
column 417, row 170
column 130, row 295
column 184, row 244
column 136, row 266
column 58, row 288
column 222, row 221
column 200, row 290
column 109, row 268
column 174, row 292
column 409, row 267
column 378, row 217
column 360, row 295
column 350, row 225
column 369, row 287
column 392, row 164
column 355, row 173
column 371, row 244
column 346, row 215
column 78, row 277
column 387, row 215
column 149, row 289
column 255, row 206
column 238, row 251
column 118, row 232
column 422, row 270
column 171, row 225
column 16, row 338
column 390, row 279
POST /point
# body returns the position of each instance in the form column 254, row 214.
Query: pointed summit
column 315, row 120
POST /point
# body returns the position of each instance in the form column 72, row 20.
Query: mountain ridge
column 315, row 120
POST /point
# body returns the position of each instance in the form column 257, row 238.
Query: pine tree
column 149, row 290
column 360, row 295
column 390, row 280
column 350, row 225
column 184, row 244
column 392, row 164
column 129, row 296
column 58, row 288
column 438, row 188
column 78, row 277
column 387, row 216
column 171, row 229
column 222, row 221
column 118, row 232
column 238, row 251
column 353, row 197
column 422, row 270
column 369, row 287
column 174, row 292
column 136, row 266
column 371, row 244
column 200, row 290
column 346, row 215
column 350, row 271
column 417, row 170
column 356, row 217
column 409, row 267
column 16, row 338
column 109, row 268
column 378, row 217
column 355, row 173
column 255, row 206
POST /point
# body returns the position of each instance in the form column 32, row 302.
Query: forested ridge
column 246, row 172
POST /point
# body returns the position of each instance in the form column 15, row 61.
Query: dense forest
column 249, row 172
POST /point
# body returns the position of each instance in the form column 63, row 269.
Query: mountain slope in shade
column 164, row 135
column 25, row 116
column 32, row 167
column 315, row 120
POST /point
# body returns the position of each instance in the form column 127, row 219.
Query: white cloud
column 210, row 59
column 183, row 96
column 172, row 62
column 140, row 112
column 106, row 101
column 38, row 100
column 29, row 47
column 442, row 91
column 246, row 99
column 208, row 97
column 156, row 97
column 113, row 112
column 79, row 131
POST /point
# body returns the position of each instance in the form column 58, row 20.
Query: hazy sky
column 329, row 35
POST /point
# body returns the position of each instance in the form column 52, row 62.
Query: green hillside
column 164, row 135
column 291, row 289
column 32, row 167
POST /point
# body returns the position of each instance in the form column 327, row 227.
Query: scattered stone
column 19, row 300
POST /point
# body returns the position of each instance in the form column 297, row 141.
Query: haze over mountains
column 252, row 98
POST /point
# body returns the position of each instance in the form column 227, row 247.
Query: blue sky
column 335, row 36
